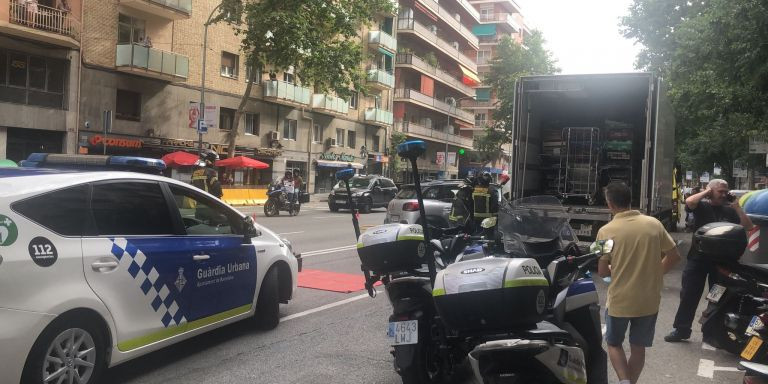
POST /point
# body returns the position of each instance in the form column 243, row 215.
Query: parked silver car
column 438, row 197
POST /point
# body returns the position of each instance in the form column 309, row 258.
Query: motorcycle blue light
column 412, row 149
column 345, row 174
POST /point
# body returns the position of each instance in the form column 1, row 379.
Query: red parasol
column 242, row 162
column 180, row 158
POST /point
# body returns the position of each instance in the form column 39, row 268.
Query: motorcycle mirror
column 489, row 222
column 602, row 247
column 345, row 174
column 412, row 149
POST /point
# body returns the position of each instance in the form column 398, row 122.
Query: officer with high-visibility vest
column 205, row 176
column 486, row 200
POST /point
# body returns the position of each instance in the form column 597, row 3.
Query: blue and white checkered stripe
column 162, row 297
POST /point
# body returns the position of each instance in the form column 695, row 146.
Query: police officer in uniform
column 205, row 176
column 485, row 198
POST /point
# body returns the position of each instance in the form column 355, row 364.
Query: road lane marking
column 707, row 347
column 328, row 217
column 327, row 251
column 290, row 233
column 323, row 308
column 707, row 368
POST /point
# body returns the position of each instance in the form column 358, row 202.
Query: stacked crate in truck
column 552, row 148
column 617, row 153
column 578, row 169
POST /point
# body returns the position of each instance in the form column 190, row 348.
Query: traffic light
column 461, row 151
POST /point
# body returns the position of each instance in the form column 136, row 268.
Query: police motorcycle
column 740, row 294
column 278, row 200
column 531, row 311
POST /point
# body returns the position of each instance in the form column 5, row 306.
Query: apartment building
column 435, row 70
column 498, row 18
column 39, row 68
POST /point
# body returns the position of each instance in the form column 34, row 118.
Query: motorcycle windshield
column 531, row 221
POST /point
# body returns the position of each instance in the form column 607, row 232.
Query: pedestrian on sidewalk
column 636, row 268
column 711, row 205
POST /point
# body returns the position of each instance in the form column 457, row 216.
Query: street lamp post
column 202, row 86
column 454, row 103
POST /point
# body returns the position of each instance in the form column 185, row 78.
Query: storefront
column 326, row 166
column 24, row 141
column 377, row 164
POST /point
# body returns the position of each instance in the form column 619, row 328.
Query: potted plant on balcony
column 431, row 59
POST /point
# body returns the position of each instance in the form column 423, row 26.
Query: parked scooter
column 277, row 200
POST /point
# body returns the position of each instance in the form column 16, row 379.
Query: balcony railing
column 45, row 19
column 384, row 78
column 442, row 106
column 287, row 91
column 448, row 17
column 378, row 116
column 169, row 9
column 501, row 17
column 441, row 136
column 154, row 61
column 332, row 104
column 445, row 77
column 426, row 34
column 180, row 5
column 482, row 104
column 383, row 39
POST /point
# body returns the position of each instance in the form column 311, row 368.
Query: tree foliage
column 318, row 39
column 714, row 57
column 511, row 62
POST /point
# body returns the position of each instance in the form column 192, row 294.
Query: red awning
column 426, row 11
column 180, row 158
column 242, row 162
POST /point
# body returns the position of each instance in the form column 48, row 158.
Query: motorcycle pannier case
column 491, row 294
column 392, row 248
column 304, row 198
column 720, row 242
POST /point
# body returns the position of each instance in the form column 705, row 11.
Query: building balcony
column 287, row 93
column 449, row 19
column 48, row 25
column 510, row 5
column 412, row 61
column 167, row 9
column 423, row 100
column 383, row 40
column 150, row 62
column 330, row 105
column 503, row 18
column 377, row 116
column 423, row 132
column 478, row 104
column 381, row 80
column 414, row 27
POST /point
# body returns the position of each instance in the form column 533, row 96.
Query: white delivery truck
column 574, row 134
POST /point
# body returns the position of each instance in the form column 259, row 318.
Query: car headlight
column 287, row 243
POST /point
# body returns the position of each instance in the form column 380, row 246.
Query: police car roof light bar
column 93, row 162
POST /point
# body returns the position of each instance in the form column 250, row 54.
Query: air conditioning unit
column 455, row 45
column 331, row 142
column 274, row 135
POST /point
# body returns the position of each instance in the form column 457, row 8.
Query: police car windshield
column 360, row 182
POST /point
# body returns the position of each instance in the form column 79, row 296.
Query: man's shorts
column 641, row 330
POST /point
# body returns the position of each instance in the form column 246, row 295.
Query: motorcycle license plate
column 341, row 201
column 394, row 219
column 751, row 349
column 716, row 293
column 403, row 332
column 754, row 325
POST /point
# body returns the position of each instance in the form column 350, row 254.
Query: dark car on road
column 368, row 192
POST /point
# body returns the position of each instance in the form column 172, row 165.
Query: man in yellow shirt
column 643, row 252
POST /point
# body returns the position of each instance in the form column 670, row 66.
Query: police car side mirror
column 250, row 229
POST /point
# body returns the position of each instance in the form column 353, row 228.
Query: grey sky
column 583, row 35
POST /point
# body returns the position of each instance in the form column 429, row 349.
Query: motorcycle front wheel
column 271, row 208
column 295, row 210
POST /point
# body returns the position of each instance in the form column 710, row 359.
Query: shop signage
column 99, row 140
column 337, row 157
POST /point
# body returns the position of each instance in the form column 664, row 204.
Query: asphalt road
column 327, row 337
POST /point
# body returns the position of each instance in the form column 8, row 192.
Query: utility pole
column 202, row 86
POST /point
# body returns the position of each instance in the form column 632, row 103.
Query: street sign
column 757, row 145
column 689, row 175
column 451, row 157
column 440, row 158
column 202, row 126
column 704, row 178
column 211, row 115
column 739, row 169
column 717, row 170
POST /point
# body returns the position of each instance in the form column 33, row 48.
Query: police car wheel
column 268, row 304
column 66, row 352
column 333, row 207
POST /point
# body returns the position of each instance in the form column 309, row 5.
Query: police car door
column 137, row 262
column 223, row 278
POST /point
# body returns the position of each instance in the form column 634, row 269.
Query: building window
column 353, row 101
column 32, row 80
column 229, row 65
column 483, row 94
column 130, row 30
column 486, row 14
column 339, row 137
column 251, row 124
column 226, row 119
column 128, row 105
column 256, row 76
column 483, row 57
column 288, row 77
column 289, row 129
column 480, row 119
column 351, row 138
column 375, row 143
column 317, row 134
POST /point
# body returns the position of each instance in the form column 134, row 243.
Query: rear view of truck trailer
column 574, row 134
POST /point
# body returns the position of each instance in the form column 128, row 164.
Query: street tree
column 715, row 62
column 318, row 39
column 511, row 62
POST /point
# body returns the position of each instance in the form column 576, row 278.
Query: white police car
column 97, row 268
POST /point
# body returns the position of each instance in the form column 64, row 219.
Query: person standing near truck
column 711, row 205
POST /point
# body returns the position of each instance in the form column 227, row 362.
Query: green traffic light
column 461, row 151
